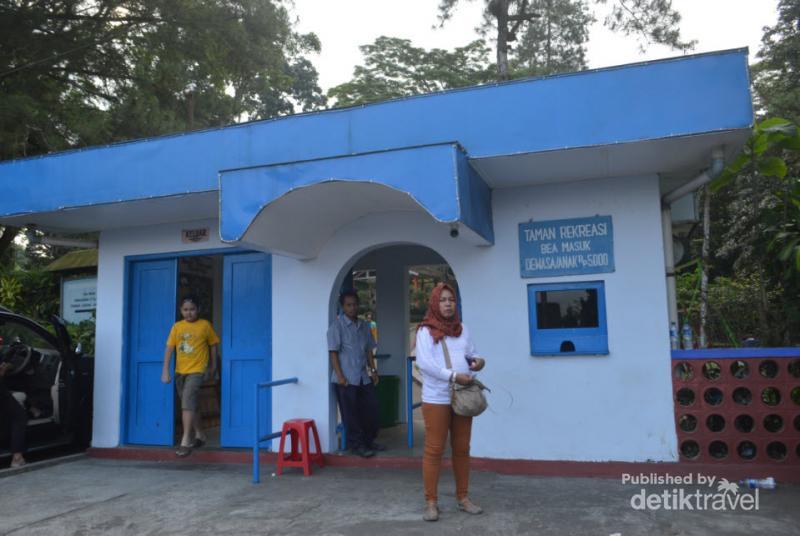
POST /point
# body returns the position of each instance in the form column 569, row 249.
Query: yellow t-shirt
column 191, row 341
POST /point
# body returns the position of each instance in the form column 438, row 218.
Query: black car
column 50, row 380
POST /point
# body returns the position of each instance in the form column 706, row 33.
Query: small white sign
column 78, row 299
column 191, row 236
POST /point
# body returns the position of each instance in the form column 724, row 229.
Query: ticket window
column 567, row 319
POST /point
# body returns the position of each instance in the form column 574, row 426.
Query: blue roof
column 670, row 98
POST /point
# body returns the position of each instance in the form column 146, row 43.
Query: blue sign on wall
column 566, row 247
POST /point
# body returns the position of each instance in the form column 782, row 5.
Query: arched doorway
column 393, row 283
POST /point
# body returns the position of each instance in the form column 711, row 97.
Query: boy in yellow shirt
column 195, row 340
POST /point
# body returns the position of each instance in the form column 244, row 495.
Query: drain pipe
column 717, row 165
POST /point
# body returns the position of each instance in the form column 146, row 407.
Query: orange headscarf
column 438, row 325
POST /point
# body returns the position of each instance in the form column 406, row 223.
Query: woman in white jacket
column 442, row 326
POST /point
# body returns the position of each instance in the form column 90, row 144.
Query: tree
column 94, row 71
column 394, row 68
column 755, row 206
column 556, row 43
column 86, row 72
column 234, row 60
column 653, row 21
column 762, row 222
column 777, row 73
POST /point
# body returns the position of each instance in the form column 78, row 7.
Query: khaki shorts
column 187, row 386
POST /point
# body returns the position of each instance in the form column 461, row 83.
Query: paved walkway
column 92, row 496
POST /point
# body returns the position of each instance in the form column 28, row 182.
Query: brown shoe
column 431, row 512
column 469, row 507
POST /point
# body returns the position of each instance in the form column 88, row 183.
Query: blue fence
column 258, row 439
column 410, row 405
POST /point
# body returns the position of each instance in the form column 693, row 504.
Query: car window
column 12, row 331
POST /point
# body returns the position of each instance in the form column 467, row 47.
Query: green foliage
column 756, row 208
column 777, row 73
column 763, row 152
column 394, row 68
column 33, row 293
column 555, row 43
column 555, row 31
column 81, row 72
column 26, row 288
column 786, row 237
column 653, row 21
column 731, row 316
column 83, row 333
column 10, row 291
column 774, row 142
column 760, row 226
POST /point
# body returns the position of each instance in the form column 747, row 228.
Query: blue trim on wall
column 678, row 97
column 123, row 392
column 438, row 177
column 735, row 353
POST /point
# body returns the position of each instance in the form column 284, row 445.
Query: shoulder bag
column 466, row 400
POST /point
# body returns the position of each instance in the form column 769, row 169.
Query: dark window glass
column 12, row 332
column 560, row 309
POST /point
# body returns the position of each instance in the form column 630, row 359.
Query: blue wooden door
column 246, row 346
column 149, row 415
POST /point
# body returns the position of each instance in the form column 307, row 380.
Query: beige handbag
column 466, row 400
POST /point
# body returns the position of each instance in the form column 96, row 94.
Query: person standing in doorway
column 442, row 326
column 354, row 377
column 195, row 340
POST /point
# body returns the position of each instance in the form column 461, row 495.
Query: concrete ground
column 93, row 496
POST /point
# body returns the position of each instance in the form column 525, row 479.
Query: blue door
column 150, row 417
column 246, row 346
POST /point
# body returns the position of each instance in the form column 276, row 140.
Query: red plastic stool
column 298, row 431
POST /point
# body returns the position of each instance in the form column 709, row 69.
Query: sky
column 343, row 25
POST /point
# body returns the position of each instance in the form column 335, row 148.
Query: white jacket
column 430, row 360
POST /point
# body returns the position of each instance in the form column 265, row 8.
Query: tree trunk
column 501, row 12
column 763, row 310
column 549, row 48
column 703, row 340
column 763, row 306
column 190, row 110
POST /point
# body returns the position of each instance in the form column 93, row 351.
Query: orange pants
column 439, row 419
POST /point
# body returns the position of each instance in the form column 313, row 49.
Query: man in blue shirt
column 354, row 377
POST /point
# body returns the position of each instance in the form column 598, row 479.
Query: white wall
column 615, row 407
column 115, row 245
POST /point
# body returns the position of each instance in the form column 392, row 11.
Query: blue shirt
column 352, row 340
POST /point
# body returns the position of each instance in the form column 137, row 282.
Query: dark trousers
column 13, row 414
column 358, row 405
